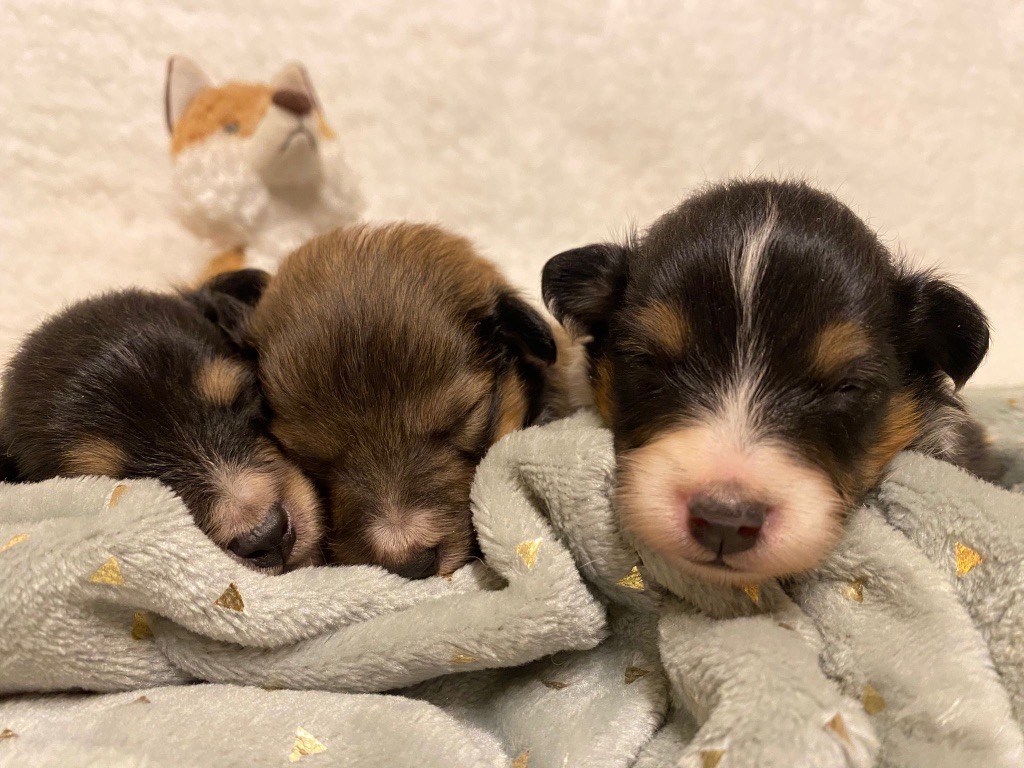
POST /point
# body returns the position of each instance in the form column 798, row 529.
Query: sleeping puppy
column 392, row 358
column 760, row 357
column 137, row 384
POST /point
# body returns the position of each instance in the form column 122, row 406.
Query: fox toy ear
column 184, row 80
column 294, row 77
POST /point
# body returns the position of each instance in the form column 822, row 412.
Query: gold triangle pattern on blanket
column 108, row 573
column 305, row 744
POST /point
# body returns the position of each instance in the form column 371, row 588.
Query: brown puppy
column 392, row 358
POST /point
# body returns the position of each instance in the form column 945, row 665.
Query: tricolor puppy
column 760, row 357
column 137, row 384
column 392, row 358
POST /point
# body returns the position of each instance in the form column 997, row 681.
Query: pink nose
column 724, row 524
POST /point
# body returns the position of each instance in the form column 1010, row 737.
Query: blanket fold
column 572, row 646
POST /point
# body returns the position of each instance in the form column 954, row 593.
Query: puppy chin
column 714, row 574
column 804, row 524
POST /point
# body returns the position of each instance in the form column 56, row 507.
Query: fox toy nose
column 295, row 102
column 421, row 565
column 269, row 544
column 725, row 525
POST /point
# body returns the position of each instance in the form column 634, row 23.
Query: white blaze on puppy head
column 717, row 497
column 257, row 169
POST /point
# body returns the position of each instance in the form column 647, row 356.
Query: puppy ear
column 524, row 330
column 581, row 286
column 184, row 80
column 246, row 285
column 227, row 299
column 945, row 330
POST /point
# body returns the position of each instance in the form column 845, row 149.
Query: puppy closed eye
column 655, row 331
column 467, row 431
column 851, row 387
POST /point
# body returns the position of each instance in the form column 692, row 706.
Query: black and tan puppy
column 392, row 358
column 761, row 357
column 137, row 384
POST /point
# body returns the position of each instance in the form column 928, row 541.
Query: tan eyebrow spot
column 837, row 345
column 659, row 327
column 221, row 379
column 95, row 456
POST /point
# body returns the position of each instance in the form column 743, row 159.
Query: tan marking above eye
column 95, row 456
column 660, row 328
column 837, row 345
column 221, row 380
column 243, row 104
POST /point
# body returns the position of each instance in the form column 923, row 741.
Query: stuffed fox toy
column 257, row 169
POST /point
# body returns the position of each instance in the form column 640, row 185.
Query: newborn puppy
column 137, row 384
column 392, row 358
column 760, row 357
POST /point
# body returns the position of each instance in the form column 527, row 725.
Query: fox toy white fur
column 257, row 169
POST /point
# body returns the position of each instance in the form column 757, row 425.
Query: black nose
column 294, row 101
column 269, row 544
column 421, row 565
column 724, row 524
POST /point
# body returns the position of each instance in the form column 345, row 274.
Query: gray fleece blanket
column 127, row 638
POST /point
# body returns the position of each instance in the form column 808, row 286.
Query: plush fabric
column 226, row 725
column 901, row 650
column 530, row 126
column 104, row 562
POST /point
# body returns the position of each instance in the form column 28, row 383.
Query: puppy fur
column 136, row 384
column 392, row 358
column 759, row 347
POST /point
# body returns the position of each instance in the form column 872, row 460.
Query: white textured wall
column 531, row 126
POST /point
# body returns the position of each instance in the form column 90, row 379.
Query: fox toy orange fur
column 257, row 169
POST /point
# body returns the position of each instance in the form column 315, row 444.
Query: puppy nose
column 269, row 544
column 294, row 101
column 725, row 525
column 421, row 565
